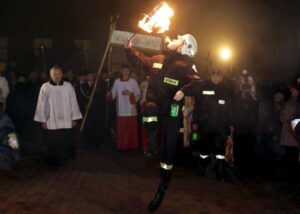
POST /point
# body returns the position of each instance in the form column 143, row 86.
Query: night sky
column 263, row 34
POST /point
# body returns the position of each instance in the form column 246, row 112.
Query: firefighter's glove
column 128, row 43
column 179, row 95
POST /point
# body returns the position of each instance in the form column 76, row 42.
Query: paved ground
column 105, row 183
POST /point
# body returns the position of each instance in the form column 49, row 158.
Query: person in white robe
column 126, row 91
column 57, row 109
column 4, row 88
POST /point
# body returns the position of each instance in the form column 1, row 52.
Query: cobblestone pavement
column 105, row 183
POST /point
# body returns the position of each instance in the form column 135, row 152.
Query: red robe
column 127, row 125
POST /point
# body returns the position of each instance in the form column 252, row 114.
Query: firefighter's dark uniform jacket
column 214, row 112
column 215, row 104
column 168, row 73
column 9, row 146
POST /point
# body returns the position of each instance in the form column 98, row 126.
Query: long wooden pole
column 112, row 28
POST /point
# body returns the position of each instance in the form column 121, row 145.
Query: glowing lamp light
column 225, row 53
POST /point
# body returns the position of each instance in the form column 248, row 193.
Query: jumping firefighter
column 171, row 78
column 214, row 115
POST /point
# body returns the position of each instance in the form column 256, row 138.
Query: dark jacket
column 214, row 105
column 168, row 74
column 9, row 146
column 83, row 93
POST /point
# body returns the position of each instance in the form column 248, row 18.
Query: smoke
column 263, row 35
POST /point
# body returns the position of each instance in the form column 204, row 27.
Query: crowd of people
column 229, row 122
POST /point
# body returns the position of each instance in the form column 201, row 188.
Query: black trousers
column 291, row 161
column 59, row 146
column 213, row 139
column 170, row 134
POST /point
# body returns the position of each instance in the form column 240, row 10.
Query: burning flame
column 158, row 19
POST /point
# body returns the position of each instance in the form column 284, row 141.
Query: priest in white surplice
column 57, row 109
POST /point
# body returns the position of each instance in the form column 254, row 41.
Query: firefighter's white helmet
column 190, row 45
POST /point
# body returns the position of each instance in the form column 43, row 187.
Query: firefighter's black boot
column 220, row 169
column 201, row 170
column 165, row 176
column 158, row 197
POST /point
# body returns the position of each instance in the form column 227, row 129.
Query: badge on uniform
column 13, row 141
column 157, row 65
column 208, row 92
column 195, row 136
column 174, row 110
column 171, row 81
column 221, row 102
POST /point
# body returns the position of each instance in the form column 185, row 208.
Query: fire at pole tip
column 158, row 19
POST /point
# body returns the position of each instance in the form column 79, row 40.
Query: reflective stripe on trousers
column 166, row 166
column 203, row 156
column 149, row 119
column 221, row 157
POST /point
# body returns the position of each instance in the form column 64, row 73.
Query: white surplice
column 57, row 106
column 4, row 89
column 124, row 107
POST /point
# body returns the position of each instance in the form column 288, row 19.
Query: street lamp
column 226, row 56
column 225, row 53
